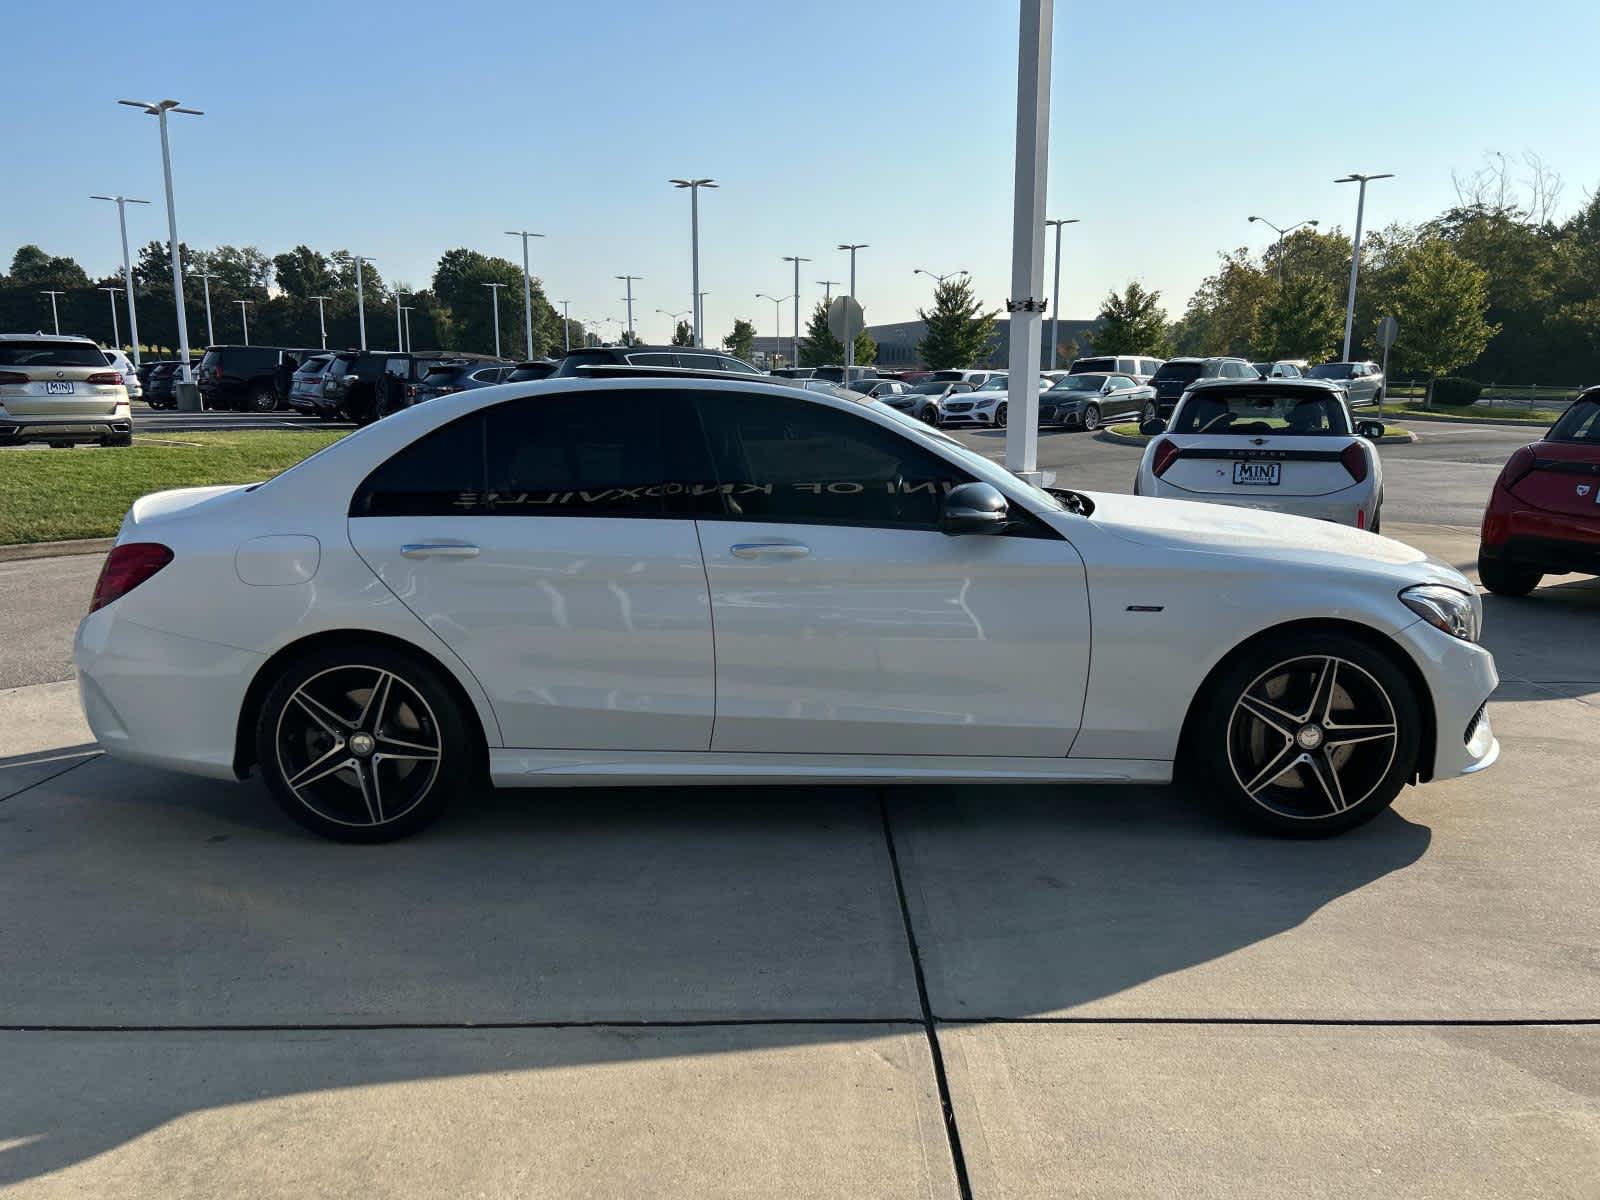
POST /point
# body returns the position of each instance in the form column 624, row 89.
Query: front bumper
column 161, row 699
column 93, row 430
column 977, row 416
column 1460, row 677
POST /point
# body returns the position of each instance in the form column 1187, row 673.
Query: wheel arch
column 244, row 742
column 1376, row 639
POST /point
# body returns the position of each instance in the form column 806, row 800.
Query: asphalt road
column 147, row 421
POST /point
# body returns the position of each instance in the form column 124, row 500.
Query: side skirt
column 642, row 768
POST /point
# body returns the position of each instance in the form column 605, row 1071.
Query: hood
column 1187, row 525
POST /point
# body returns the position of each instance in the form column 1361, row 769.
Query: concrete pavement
column 705, row 993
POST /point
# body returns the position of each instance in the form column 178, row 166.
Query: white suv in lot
column 711, row 581
column 60, row 390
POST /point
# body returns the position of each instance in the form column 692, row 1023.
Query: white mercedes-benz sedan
column 1286, row 445
column 710, row 581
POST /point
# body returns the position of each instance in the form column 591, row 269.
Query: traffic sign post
column 1388, row 331
column 846, row 319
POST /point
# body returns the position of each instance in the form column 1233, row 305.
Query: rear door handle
column 770, row 550
column 438, row 550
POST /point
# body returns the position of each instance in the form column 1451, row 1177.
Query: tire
column 1262, row 743
column 263, row 398
column 384, row 774
column 1503, row 579
column 1091, row 418
column 1000, row 417
column 930, row 415
column 1376, row 525
column 1150, row 412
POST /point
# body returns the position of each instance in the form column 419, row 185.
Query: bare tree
column 1492, row 189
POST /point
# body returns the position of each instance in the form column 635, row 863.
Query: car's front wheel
column 1000, row 417
column 1307, row 735
column 1091, row 418
column 1150, row 412
column 1505, row 580
column 364, row 744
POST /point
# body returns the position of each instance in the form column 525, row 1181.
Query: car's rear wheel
column 1504, row 579
column 1091, row 418
column 263, row 398
column 364, row 744
column 1308, row 735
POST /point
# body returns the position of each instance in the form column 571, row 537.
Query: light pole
column 794, row 346
column 322, row 319
column 1355, row 252
column 407, row 310
column 850, row 342
column 206, row 277
column 674, row 317
column 694, row 186
column 494, row 292
column 1055, row 291
column 1026, row 302
column 1282, row 233
column 527, row 284
column 116, row 334
column 244, row 318
column 827, row 286
column 127, row 266
column 777, row 318
column 159, row 110
column 628, row 279
column 361, row 293
column 399, row 312
column 934, row 275
column 566, row 324
column 54, row 315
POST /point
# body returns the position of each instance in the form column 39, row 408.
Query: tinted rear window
column 1094, row 364
column 1186, row 372
column 1580, row 423
column 51, row 354
column 1330, row 371
column 1261, row 411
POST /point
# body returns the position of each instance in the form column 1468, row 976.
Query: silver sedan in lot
column 1087, row 401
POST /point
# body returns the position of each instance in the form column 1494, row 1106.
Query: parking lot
column 738, row 992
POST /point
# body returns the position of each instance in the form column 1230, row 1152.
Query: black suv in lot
column 248, row 378
column 697, row 358
column 363, row 385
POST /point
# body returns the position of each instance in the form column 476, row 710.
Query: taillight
column 1354, row 459
column 13, row 377
column 126, row 567
column 103, row 377
column 1518, row 467
column 1166, row 454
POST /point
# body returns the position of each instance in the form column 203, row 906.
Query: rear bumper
column 16, row 430
column 1553, row 543
column 1338, row 507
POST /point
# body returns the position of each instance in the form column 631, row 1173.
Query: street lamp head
column 1254, row 219
column 855, row 246
column 1354, row 177
column 156, row 107
column 1060, row 221
column 1313, row 223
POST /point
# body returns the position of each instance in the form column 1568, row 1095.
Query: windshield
column 999, row 383
column 1186, row 372
column 1261, row 411
column 50, row 354
column 1080, row 383
column 1330, row 371
column 932, row 388
column 1580, row 423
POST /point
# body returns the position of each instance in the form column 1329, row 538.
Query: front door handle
column 438, row 550
column 770, row 550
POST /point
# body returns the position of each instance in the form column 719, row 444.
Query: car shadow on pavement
column 189, row 915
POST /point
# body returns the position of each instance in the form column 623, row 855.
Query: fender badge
column 1583, row 489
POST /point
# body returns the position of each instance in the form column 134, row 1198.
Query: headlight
column 989, row 403
column 1444, row 608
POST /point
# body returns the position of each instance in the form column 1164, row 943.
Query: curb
column 55, row 549
column 1508, row 422
column 1399, row 437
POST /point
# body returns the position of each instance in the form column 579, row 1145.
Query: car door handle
column 770, row 550
column 438, row 550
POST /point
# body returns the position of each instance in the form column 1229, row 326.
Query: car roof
column 1309, row 386
column 68, row 338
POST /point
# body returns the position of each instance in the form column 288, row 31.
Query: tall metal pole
column 1027, row 236
column 566, row 325
column 116, row 334
column 322, row 320
column 399, row 310
column 244, row 319
column 185, row 371
column 407, row 310
column 827, row 289
column 694, row 186
column 54, row 315
column 1055, row 291
column 206, row 277
column 361, row 293
column 494, row 291
column 527, row 284
column 1282, row 233
column 1355, row 253
column 127, row 266
column 632, row 338
column 850, row 342
column 794, row 344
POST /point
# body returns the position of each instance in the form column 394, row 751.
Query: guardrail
column 1506, row 395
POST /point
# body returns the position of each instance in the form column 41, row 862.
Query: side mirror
column 974, row 508
column 1152, row 427
column 1371, row 430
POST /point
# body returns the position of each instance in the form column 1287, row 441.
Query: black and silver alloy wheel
column 1091, row 418
column 362, row 747
column 1000, row 416
column 1150, row 413
column 1308, row 736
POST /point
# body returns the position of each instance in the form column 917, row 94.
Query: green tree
column 819, row 347
column 243, row 272
column 1222, row 312
column 1302, row 319
column 683, row 334
column 959, row 333
column 1132, row 323
column 467, row 305
column 741, row 343
column 31, row 267
column 304, row 272
column 1440, row 304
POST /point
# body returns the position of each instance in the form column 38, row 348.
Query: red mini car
column 1544, row 516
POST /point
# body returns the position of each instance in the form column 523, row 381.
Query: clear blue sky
column 403, row 130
